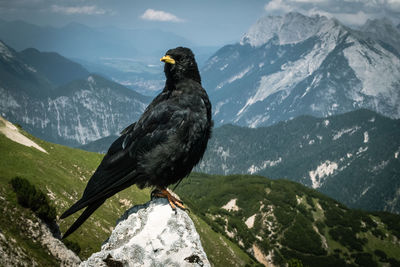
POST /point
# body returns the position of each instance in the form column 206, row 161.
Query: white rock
column 152, row 235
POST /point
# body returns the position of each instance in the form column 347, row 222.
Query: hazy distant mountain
column 354, row 157
column 76, row 40
column 80, row 111
column 292, row 65
column 55, row 67
column 73, row 40
column 20, row 77
column 384, row 31
column 144, row 78
column 127, row 56
column 100, row 145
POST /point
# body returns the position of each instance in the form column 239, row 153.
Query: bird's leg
column 173, row 201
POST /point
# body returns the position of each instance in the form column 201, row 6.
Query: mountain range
column 352, row 157
column 127, row 56
column 282, row 223
column 292, row 65
column 80, row 41
column 242, row 220
column 58, row 100
column 284, row 67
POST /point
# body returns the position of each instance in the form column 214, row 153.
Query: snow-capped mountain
column 352, row 157
column 80, row 111
column 293, row 65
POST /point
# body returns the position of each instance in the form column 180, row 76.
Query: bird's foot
column 173, row 201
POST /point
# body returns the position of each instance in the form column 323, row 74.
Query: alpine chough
column 162, row 147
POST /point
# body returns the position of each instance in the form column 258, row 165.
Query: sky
column 206, row 22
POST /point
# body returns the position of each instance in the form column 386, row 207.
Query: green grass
column 62, row 174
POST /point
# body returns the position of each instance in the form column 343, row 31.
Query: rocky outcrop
column 152, row 235
column 28, row 241
column 40, row 231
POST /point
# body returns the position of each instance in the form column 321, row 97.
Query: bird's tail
column 85, row 214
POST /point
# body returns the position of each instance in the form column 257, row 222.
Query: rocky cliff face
column 74, row 113
column 294, row 65
column 152, row 235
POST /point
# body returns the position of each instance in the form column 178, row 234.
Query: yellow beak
column 167, row 59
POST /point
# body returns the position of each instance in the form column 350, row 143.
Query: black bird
column 162, row 147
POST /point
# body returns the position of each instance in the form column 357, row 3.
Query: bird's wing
column 118, row 168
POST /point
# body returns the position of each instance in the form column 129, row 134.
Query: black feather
column 162, row 147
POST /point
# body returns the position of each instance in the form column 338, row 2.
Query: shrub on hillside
column 34, row 199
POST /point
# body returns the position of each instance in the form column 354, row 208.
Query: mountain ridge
column 281, row 70
column 352, row 157
column 78, row 111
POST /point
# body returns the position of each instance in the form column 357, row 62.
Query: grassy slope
column 292, row 220
column 63, row 174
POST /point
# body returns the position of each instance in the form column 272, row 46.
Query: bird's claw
column 173, row 201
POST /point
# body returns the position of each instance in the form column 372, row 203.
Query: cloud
column 81, row 10
column 351, row 12
column 159, row 15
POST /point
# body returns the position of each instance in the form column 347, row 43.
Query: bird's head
column 180, row 64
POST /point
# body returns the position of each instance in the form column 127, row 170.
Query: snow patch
column 30, row 68
column 366, row 137
column 223, row 67
column 222, row 153
column 5, row 52
column 250, row 221
column 361, row 150
column 12, row 133
column 234, row 77
column 255, row 120
column 349, row 131
column 318, row 175
column 218, row 106
column 365, row 190
column 231, row 205
column 268, row 163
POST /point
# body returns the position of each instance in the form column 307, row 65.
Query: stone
column 152, row 234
